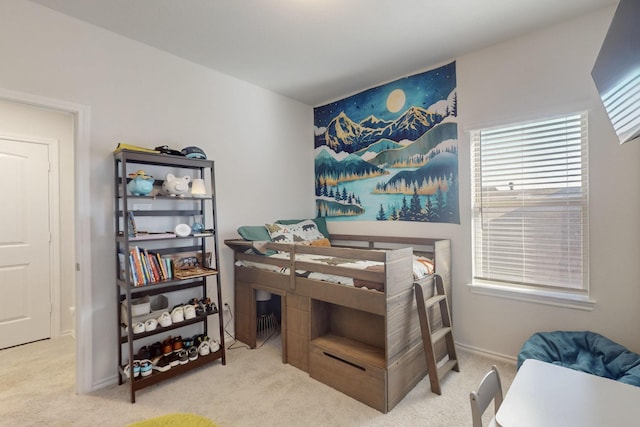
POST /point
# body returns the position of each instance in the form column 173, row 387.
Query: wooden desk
column 543, row 394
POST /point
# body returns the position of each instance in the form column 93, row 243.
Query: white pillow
column 292, row 233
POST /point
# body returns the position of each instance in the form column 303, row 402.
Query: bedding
column 422, row 267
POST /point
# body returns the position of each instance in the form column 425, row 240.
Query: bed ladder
column 431, row 338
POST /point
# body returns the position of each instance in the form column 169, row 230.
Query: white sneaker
column 150, row 325
column 189, row 312
column 177, row 315
column 138, row 328
column 214, row 346
column 203, row 348
column 165, row 319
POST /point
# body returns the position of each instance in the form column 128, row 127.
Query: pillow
column 254, row 233
column 321, row 222
column 318, row 242
column 293, row 233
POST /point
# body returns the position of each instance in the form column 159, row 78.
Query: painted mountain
column 367, row 169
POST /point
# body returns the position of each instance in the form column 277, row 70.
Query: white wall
column 545, row 74
column 261, row 142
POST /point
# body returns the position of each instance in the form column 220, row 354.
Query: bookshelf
column 153, row 261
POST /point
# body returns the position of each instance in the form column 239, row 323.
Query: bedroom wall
column 544, row 74
column 261, row 141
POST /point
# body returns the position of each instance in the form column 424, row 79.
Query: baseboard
column 487, row 353
column 106, row 382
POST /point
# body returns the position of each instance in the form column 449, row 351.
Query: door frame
column 82, row 228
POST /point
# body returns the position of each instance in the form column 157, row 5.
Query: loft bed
column 363, row 341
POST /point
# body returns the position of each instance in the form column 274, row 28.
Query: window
column 530, row 205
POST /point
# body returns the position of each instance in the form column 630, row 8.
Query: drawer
column 361, row 381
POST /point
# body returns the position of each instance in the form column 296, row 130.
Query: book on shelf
column 131, row 225
column 146, row 267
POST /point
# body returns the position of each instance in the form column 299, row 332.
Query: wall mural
column 390, row 153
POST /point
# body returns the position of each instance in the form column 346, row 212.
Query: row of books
column 147, row 267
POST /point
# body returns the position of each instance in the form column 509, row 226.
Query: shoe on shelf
column 165, row 319
column 167, row 346
column 136, row 369
column 161, row 364
column 183, row 356
column 177, row 315
column 189, row 312
column 143, row 353
column 145, row 367
column 193, row 353
column 187, row 342
column 173, row 359
column 138, row 328
column 203, row 348
column 200, row 338
column 156, row 349
column 150, row 325
column 177, row 344
column 214, row 345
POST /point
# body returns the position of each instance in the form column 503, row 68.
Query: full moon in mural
column 396, row 100
column 390, row 153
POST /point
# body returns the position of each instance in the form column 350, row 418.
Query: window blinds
column 530, row 203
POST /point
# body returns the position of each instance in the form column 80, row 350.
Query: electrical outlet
column 225, row 306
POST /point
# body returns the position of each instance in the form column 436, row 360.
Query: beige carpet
column 254, row 389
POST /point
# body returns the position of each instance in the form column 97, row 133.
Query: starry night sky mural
column 390, row 153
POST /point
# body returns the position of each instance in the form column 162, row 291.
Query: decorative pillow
column 293, row 233
column 254, row 233
column 321, row 222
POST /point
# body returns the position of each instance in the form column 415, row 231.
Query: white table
column 543, row 394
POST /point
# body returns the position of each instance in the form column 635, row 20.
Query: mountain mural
column 394, row 141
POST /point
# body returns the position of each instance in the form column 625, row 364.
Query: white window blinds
column 530, row 204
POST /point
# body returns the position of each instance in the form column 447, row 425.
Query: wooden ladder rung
column 434, row 300
column 439, row 334
column 449, row 365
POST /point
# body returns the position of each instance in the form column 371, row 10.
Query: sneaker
column 214, row 345
column 183, row 356
column 156, row 349
column 193, row 353
column 143, row 353
column 177, row 344
column 150, row 325
column 173, row 359
column 203, row 348
column 177, row 315
column 136, row 368
column 189, row 312
column 138, row 328
column 161, row 364
column 165, row 319
column 167, row 346
column 145, row 367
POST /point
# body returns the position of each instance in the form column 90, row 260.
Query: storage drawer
column 361, row 381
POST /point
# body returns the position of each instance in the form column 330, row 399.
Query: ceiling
column 316, row 51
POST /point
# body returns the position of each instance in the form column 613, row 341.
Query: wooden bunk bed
column 364, row 342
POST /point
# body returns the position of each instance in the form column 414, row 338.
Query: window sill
column 533, row 295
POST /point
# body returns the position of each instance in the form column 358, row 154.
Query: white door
column 25, row 290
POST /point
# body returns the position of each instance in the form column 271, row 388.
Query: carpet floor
column 254, row 389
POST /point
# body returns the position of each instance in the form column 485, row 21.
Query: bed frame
column 362, row 342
